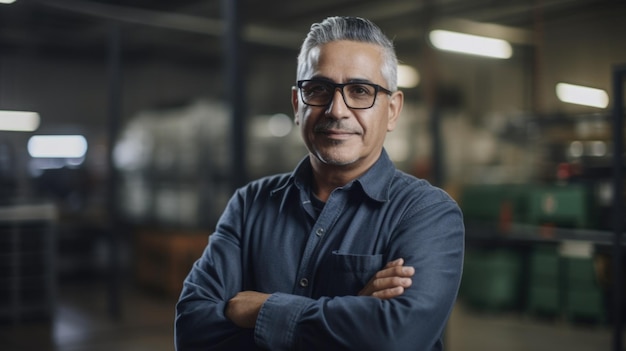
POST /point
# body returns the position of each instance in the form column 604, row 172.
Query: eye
column 360, row 90
column 317, row 88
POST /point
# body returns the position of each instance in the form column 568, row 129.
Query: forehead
column 344, row 60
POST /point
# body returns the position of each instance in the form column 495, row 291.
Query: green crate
column 585, row 304
column 579, row 272
column 545, row 278
column 492, row 279
column 487, row 202
column 565, row 206
column 544, row 299
column 583, row 295
column 544, row 263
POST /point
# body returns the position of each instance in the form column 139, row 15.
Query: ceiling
column 192, row 29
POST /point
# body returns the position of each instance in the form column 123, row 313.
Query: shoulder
column 256, row 195
column 265, row 185
column 417, row 192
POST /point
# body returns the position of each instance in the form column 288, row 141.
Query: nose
column 337, row 107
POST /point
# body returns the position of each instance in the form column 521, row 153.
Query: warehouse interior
column 169, row 106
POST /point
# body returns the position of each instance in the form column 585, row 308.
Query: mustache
column 334, row 125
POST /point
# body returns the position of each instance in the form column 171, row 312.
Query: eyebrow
column 353, row 80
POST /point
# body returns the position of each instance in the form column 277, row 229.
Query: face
column 337, row 135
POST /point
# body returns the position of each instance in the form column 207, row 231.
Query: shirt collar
column 375, row 183
column 377, row 180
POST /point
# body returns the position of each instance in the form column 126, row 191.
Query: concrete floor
column 82, row 323
column 472, row 331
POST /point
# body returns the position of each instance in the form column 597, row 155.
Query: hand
column 390, row 281
column 244, row 308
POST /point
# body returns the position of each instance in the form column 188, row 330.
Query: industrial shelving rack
column 27, row 256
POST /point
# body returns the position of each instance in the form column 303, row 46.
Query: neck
column 327, row 178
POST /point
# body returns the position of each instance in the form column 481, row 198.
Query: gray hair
column 353, row 29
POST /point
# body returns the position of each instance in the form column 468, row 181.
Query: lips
column 336, row 135
column 334, row 129
column 337, row 132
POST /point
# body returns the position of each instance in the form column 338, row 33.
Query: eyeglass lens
column 355, row 95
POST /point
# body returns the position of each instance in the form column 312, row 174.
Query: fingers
column 387, row 288
column 396, row 262
column 389, row 282
column 395, row 269
column 388, row 293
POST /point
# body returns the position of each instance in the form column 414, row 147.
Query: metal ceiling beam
column 268, row 36
column 167, row 20
column 175, row 21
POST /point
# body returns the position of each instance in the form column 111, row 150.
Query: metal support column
column 114, row 116
column 438, row 175
column 619, row 76
column 235, row 88
column 432, row 96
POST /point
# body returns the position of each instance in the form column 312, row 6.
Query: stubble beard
column 332, row 155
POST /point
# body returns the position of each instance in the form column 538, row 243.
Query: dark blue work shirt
column 314, row 260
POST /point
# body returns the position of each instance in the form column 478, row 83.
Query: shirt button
column 319, row 231
column 304, row 282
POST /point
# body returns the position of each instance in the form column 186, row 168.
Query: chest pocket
column 349, row 273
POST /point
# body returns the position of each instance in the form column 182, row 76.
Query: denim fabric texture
column 271, row 239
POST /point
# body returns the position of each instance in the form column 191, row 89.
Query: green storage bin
column 587, row 304
column 486, row 203
column 563, row 206
column 544, row 300
column 579, row 272
column 544, row 261
column 583, row 296
column 492, row 279
column 545, row 281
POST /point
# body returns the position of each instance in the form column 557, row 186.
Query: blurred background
column 126, row 125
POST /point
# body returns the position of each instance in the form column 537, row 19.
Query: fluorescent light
column 19, row 121
column 580, row 95
column 470, row 44
column 408, row 77
column 57, row 146
column 7, row 1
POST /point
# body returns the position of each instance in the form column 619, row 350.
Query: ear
column 295, row 103
column 396, row 101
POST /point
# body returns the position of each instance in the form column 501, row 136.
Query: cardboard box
column 165, row 258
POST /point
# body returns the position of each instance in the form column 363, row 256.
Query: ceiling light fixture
column 19, row 121
column 470, row 44
column 581, row 95
column 7, row 1
column 57, row 146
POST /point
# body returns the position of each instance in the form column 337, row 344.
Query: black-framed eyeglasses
column 357, row 95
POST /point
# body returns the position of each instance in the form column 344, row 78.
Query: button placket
column 325, row 220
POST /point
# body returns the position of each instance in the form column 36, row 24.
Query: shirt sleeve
column 215, row 278
column 432, row 241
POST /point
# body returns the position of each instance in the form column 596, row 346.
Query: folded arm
column 390, row 312
column 412, row 320
column 389, row 282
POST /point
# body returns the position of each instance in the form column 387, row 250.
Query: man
column 346, row 252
